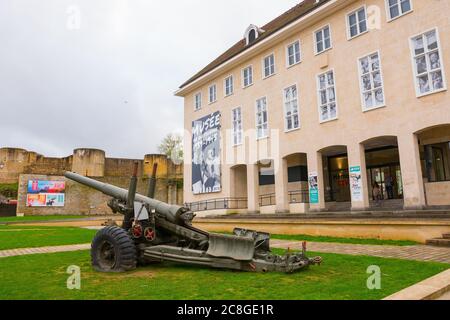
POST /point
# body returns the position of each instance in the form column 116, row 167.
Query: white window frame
column 361, row 84
column 243, row 76
column 215, row 93
column 264, row 66
column 413, row 63
column 199, row 106
column 288, row 65
column 388, row 11
column 315, row 39
column 235, row 130
column 264, row 123
column 225, row 87
column 347, row 19
column 319, row 100
column 286, row 129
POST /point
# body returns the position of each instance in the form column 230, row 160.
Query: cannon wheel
column 113, row 250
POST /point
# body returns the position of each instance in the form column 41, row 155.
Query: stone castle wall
column 20, row 166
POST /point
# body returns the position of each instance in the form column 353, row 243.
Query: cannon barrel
column 170, row 212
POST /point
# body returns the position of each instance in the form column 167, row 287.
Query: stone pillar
column 413, row 186
column 253, row 188
column 357, row 158
column 281, row 186
column 315, row 165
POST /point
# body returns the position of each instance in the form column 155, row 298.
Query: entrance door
column 380, row 176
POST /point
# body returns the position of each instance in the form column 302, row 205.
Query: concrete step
column 439, row 242
column 446, row 236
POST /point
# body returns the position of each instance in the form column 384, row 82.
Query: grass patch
column 9, row 190
column 40, row 218
column 343, row 240
column 341, row 277
column 12, row 237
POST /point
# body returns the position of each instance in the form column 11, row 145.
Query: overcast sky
column 102, row 73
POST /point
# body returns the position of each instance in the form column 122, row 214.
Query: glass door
column 378, row 176
column 389, row 179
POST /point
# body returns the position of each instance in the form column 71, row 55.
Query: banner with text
column 206, row 162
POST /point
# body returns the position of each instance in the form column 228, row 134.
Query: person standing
column 389, row 182
column 376, row 193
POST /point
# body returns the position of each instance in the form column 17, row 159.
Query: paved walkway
column 28, row 251
column 418, row 253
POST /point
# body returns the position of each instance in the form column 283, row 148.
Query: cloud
column 101, row 73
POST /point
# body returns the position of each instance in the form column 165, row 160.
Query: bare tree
column 172, row 147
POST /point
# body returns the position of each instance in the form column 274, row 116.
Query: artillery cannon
column 154, row 231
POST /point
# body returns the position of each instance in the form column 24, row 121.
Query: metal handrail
column 267, row 200
column 218, row 204
column 298, row 196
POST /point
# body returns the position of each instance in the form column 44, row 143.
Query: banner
column 356, row 183
column 313, row 182
column 206, row 164
column 46, row 193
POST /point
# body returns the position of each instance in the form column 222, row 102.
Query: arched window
column 251, row 34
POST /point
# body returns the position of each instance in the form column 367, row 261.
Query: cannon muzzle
column 171, row 213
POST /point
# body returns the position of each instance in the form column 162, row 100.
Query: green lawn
column 12, row 237
column 343, row 240
column 40, row 218
column 340, row 277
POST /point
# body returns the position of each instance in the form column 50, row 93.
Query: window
column 212, row 94
column 297, row 174
column 437, row 162
column 323, row 39
column 269, row 66
column 397, row 8
column 229, row 86
column 237, row 126
column 293, row 53
column 262, row 128
column 371, row 81
column 198, row 101
column 266, row 176
column 251, row 34
column 428, row 69
column 327, row 96
column 292, row 119
column 357, row 22
column 247, row 76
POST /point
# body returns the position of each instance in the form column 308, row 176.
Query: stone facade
column 18, row 165
column 406, row 138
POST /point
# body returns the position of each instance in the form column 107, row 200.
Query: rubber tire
column 124, row 250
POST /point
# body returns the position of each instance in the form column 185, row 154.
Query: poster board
column 313, row 182
column 42, row 193
column 356, row 183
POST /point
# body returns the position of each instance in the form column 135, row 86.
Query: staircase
column 388, row 204
column 339, row 206
column 440, row 242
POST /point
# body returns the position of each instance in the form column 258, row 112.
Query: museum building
column 334, row 105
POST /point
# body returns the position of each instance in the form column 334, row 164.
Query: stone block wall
column 19, row 166
column 81, row 200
